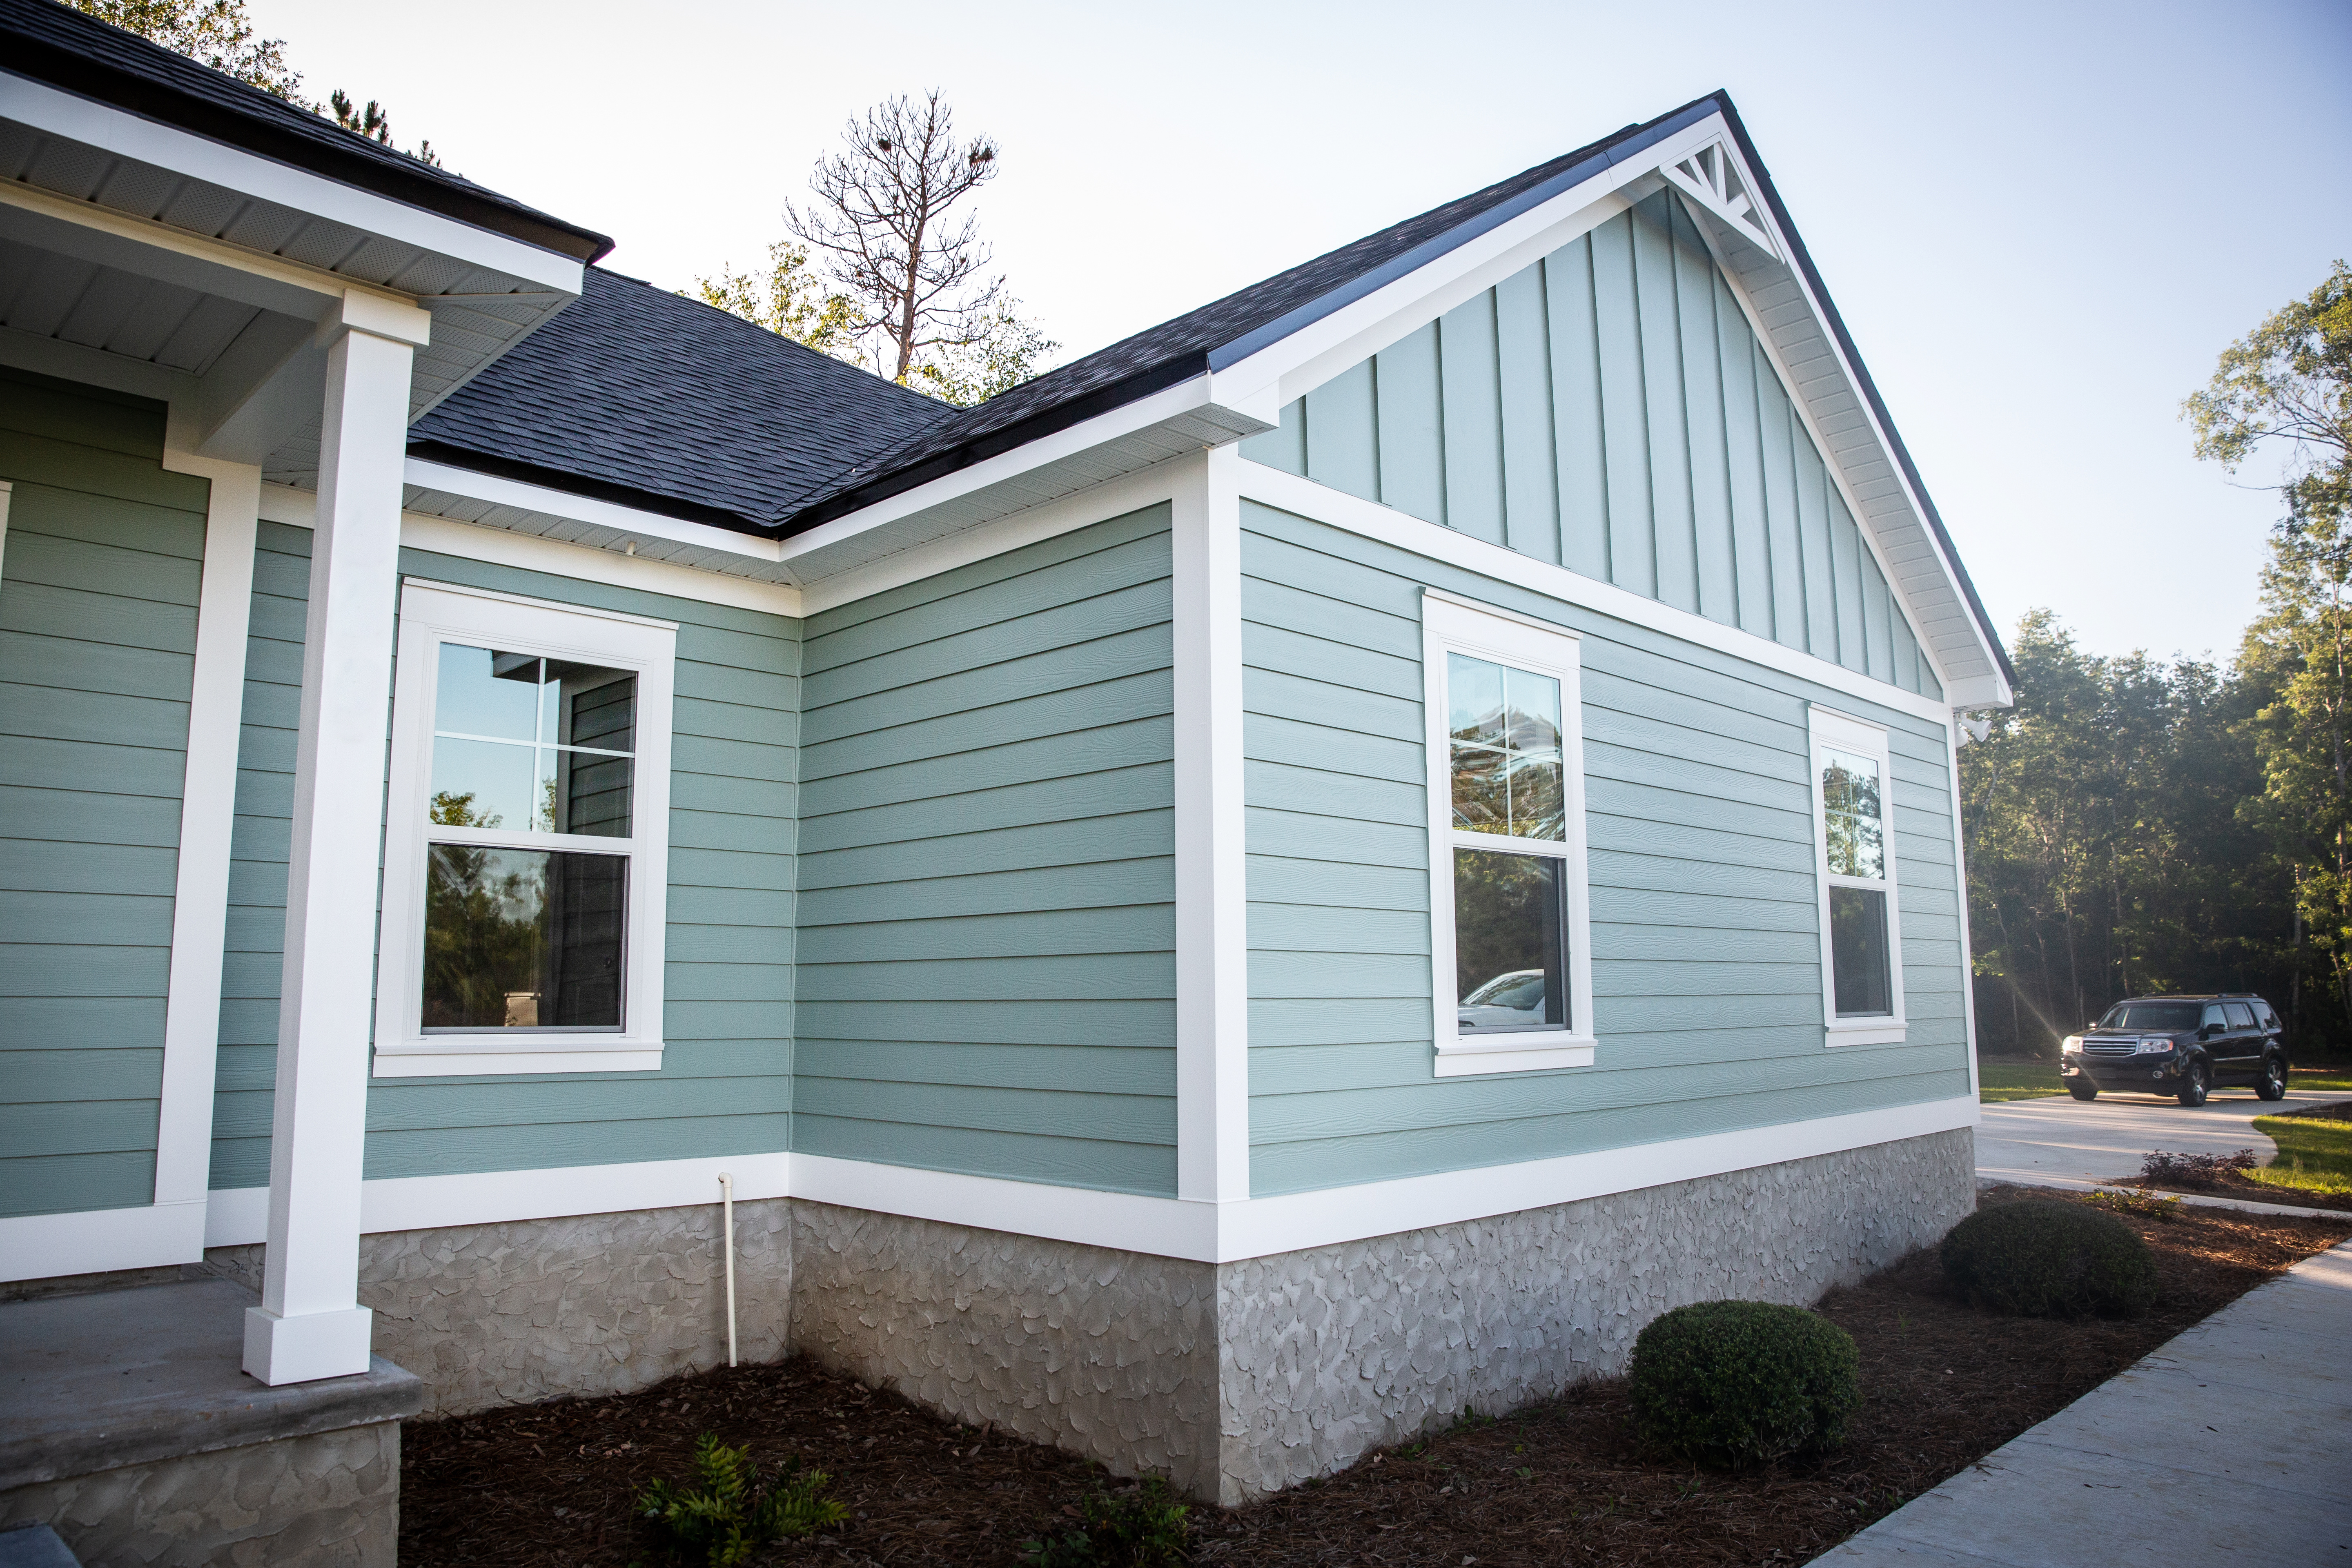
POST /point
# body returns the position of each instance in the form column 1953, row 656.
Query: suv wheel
column 2196, row 1083
column 2274, row 1080
column 2081, row 1090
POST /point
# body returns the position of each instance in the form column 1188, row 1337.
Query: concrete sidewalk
column 2231, row 1444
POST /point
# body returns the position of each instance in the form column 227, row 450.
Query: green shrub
column 2049, row 1258
column 1735, row 1384
column 727, row 1512
column 1143, row 1528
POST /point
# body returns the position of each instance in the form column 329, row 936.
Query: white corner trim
column 1211, row 842
column 183, row 1133
column 6, row 490
column 134, row 136
column 1960, row 898
column 555, row 557
column 51, row 1246
column 1320, row 503
column 1126, row 1222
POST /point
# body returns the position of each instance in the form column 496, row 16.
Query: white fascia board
column 1127, row 1222
column 1320, row 503
column 556, row 557
column 134, row 136
column 1169, row 403
column 523, row 495
column 1321, row 349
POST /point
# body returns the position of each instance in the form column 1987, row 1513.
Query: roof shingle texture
column 660, row 400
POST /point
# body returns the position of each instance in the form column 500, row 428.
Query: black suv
column 2180, row 1046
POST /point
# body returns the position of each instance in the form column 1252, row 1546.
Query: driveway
column 2030, row 1140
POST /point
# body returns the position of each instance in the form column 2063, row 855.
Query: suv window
column 2213, row 1015
column 2150, row 1016
column 2241, row 1015
column 2270, row 1019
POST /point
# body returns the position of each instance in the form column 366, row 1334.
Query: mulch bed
column 1561, row 1481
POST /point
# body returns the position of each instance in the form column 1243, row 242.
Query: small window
column 2214, row 1018
column 1851, row 781
column 525, row 869
column 1512, row 968
column 2241, row 1015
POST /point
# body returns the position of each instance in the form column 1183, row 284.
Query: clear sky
column 2042, row 221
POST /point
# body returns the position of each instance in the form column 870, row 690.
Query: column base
column 307, row 1346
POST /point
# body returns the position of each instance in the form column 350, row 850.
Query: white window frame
column 1835, row 731
column 1453, row 624
column 432, row 614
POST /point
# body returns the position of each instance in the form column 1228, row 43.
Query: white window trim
column 1448, row 624
column 431, row 613
column 1830, row 732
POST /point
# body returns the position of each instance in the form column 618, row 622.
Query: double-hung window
column 1862, row 959
column 1512, row 969
column 527, row 844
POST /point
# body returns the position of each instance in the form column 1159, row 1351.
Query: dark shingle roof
column 636, row 395
column 60, row 45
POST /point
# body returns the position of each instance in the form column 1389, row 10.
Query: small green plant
column 1143, row 1527
column 2050, row 1258
column 2145, row 1205
column 1735, row 1384
column 728, row 1511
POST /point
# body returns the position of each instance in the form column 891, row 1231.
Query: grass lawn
column 2016, row 1078
column 2328, row 1077
column 2314, row 1154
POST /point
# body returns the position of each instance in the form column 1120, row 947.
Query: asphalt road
column 2023, row 1140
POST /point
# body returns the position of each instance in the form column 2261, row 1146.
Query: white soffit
column 140, row 189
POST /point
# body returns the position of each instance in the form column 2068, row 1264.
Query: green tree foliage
column 2109, row 853
column 219, row 33
column 787, row 300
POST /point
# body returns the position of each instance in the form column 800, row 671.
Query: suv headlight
column 2071, row 1045
column 2146, row 1047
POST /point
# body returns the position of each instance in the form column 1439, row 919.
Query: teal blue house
column 1320, row 864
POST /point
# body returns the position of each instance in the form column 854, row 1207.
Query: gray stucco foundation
column 1233, row 1381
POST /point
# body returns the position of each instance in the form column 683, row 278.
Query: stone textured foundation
column 591, row 1304
column 1233, row 1381
column 1109, row 1355
column 331, row 1499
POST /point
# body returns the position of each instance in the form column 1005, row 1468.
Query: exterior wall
column 99, row 579
column 987, row 965
column 331, row 1499
column 724, row 1086
column 1610, row 409
column 1705, row 929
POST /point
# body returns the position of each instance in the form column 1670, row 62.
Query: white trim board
column 100, row 1241
column 1320, row 503
column 1169, row 1227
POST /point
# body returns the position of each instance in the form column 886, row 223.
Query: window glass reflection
column 1509, row 958
column 532, row 745
column 1503, row 725
column 1851, row 815
column 522, row 939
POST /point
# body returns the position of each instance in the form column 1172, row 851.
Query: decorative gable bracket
column 1710, row 177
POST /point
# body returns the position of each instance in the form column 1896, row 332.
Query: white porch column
column 309, row 1323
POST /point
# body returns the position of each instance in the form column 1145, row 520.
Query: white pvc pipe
column 727, row 1200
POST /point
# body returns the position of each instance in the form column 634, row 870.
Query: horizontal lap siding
column 987, row 943
column 1705, row 930
column 724, row 1086
column 1608, row 408
column 99, row 579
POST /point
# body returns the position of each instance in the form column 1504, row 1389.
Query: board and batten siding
column 99, row 581
column 724, row 1086
column 1705, row 929
column 987, row 943
column 1608, row 409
